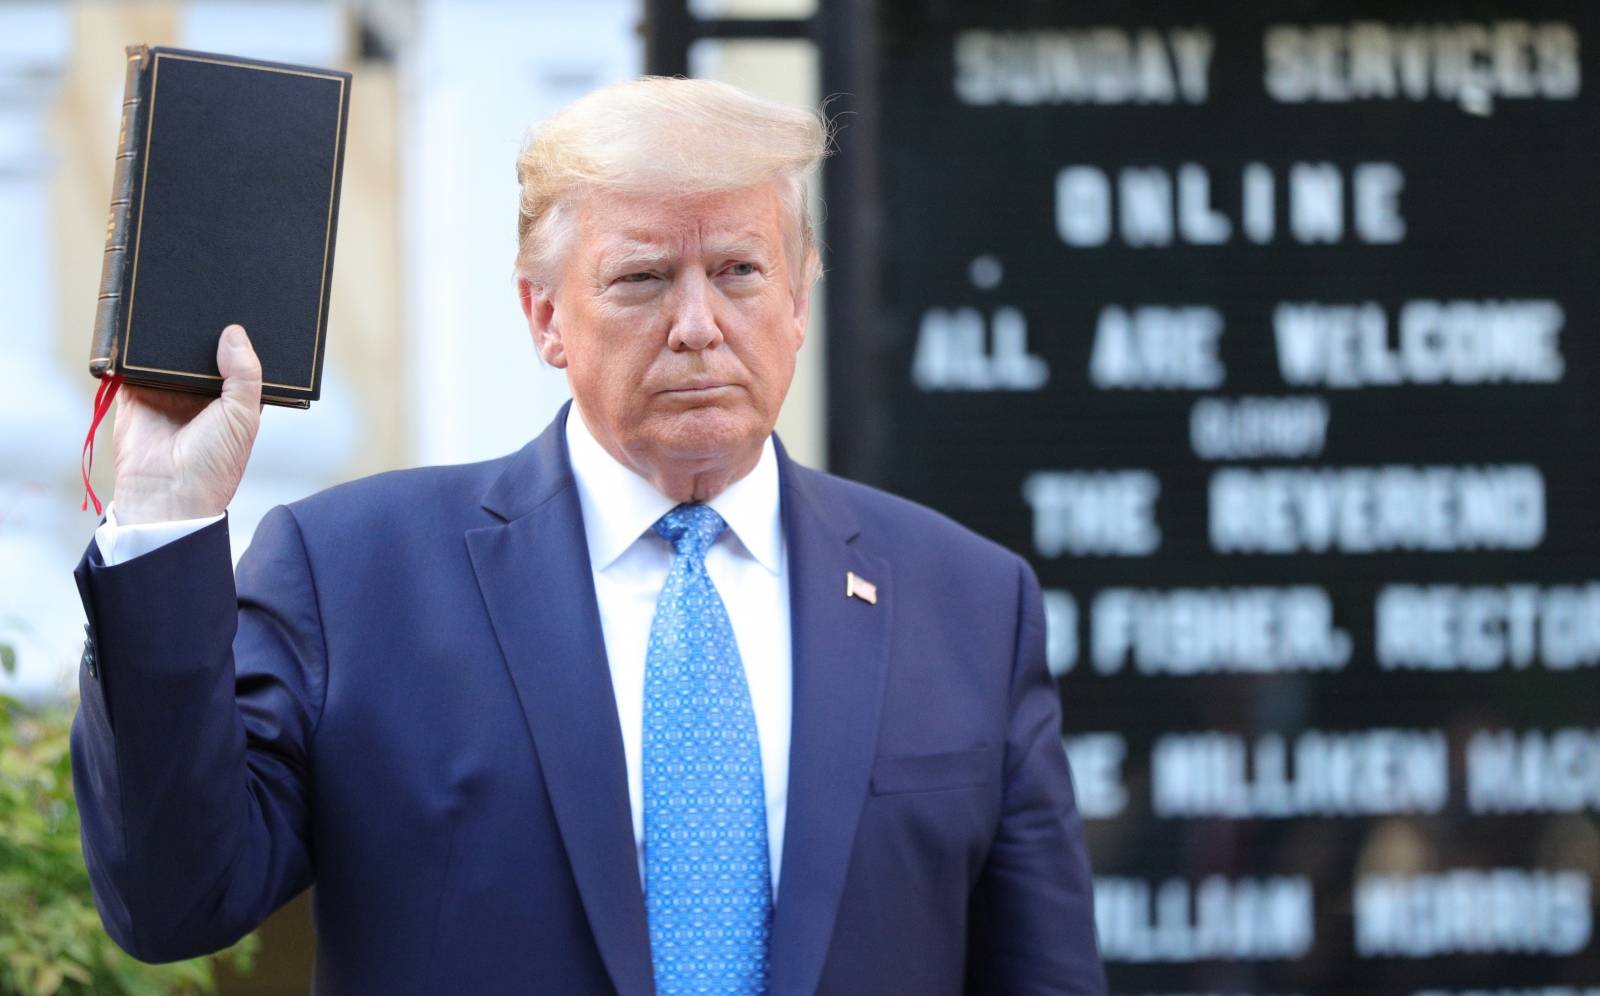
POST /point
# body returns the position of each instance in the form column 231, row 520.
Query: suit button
column 88, row 661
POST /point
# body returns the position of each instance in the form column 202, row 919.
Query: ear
column 539, row 308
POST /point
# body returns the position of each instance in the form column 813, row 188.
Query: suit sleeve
column 1032, row 911
column 191, row 747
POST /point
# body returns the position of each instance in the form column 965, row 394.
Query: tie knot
column 691, row 529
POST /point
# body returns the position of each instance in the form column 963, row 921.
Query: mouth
column 696, row 388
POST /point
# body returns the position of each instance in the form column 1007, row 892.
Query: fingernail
column 234, row 335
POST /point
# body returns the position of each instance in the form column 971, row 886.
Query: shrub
column 51, row 940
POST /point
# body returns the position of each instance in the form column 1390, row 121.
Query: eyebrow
column 633, row 253
column 743, row 240
column 747, row 246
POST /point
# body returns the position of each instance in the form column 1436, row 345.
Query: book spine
column 103, row 347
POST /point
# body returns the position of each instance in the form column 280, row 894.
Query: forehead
column 614, row 221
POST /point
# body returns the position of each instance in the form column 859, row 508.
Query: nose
column 694, row 323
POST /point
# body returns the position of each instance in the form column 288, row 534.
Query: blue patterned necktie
column 707, row 884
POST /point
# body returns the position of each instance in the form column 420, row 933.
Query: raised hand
column 181, row 456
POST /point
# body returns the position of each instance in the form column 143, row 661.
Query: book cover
column 224, row 209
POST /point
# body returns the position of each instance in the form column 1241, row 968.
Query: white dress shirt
column 748, row 565
column 119, row 544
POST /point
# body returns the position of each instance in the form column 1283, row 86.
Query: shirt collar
column 632, row 504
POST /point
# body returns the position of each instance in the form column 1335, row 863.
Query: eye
column 635, row 278
column 740, row 269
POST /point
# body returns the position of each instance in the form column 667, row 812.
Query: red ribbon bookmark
column 102, row 405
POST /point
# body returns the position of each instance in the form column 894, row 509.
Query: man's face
column 677, row 321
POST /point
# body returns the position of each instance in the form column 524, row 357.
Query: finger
column 240, row 369
column 143, row 410
column 172, row 404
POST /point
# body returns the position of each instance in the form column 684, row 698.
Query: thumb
column 240, row 369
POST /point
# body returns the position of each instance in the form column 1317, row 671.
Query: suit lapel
column 840, row 657
column 555, row 653
column 533, row 570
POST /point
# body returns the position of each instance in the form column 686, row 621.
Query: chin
column 708, row 435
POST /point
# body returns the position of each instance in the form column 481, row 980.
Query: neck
column 698, row 478
column 686, row 484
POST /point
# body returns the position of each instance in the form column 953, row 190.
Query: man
column 644, row 707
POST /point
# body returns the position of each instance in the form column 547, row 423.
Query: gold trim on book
column 271, row 399
column 327, row 235
column 206, row 376
column 144, row 176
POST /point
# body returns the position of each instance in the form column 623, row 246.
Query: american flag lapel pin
column 856, row 586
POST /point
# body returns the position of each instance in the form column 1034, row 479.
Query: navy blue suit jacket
column 403, row 699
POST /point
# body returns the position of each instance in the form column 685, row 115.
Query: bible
column 224, row 207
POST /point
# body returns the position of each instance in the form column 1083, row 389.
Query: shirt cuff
column 120, row 544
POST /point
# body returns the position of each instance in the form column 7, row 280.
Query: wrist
column 137, row 506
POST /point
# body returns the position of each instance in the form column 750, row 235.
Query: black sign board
column 1268, row 332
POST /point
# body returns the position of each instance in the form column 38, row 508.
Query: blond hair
column 670, row 136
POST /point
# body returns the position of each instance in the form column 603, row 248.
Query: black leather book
column 223, row 210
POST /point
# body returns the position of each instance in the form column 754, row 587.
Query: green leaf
column 48, row 980
column 57, row 945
